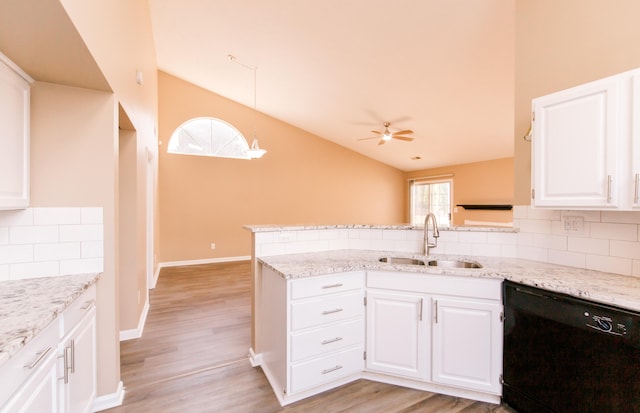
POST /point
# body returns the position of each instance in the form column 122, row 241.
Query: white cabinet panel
column 328, row 284
column 575, row 141
column 397, row 334
column 14, row 138
column 327, row 339
column 585, row 151
column 318, row 371
column 310, row 313
column 635, row 142
column 467, row 344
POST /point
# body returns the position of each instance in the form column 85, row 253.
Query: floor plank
column 193, row 357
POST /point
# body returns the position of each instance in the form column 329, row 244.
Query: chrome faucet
column 436, row 233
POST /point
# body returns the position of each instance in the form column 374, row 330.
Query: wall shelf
column 493, row 207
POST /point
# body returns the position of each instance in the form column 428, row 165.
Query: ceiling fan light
column 386, row 137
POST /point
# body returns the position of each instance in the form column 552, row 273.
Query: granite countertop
column 607, row 288
column 28, row 306
column 301, row 227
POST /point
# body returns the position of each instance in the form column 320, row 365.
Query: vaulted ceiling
column 339, row 69
column 336, row 68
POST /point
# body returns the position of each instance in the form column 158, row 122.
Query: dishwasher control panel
column 605, row 323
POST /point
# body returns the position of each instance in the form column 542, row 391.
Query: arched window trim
column 208, row 145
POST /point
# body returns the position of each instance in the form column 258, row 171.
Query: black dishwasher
column 563, row 354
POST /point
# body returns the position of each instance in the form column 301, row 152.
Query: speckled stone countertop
column 276, row 228
column 613, row 289
column 28, row 306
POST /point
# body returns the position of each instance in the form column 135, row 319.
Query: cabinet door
column 38, row 394
column 575, row 137
column 79, row 391
column 467, row 344
column 14, row 139
column 397, row 336
column 635, row 140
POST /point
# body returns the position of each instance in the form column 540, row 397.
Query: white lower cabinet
column 398, row 333
column 312, row 333
column 442, row 331
column 467, row 343
column 56, row 371
column 78, row 384
column 439, row 333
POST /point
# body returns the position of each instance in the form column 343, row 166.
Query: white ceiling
column 339, row 68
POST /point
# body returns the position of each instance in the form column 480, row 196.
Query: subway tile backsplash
column 599, row 240
column 49, row 242
column 603, row 240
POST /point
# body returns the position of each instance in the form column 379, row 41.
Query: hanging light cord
column 254, row 145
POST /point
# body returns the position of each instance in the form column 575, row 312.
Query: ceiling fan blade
column 403, row 132
column 378, row 132
column 373, row 137
column 402, row 138
column 382, row 142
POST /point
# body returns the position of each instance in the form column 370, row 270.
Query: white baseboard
column 255, row 359
column 156, row 274
column 136, row 332
column 203, row 261
column 109, row 400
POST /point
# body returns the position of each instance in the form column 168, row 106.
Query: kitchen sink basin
column 453, row 264
column 402, row 260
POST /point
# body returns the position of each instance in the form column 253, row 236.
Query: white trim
column 109, row 400
column 154, row 281
column 136, row 332
column 255, row 359
column 4, row 59
column 203, row 261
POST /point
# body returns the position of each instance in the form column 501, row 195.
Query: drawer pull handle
column 88, row 304
column 333, row 340
column 636, row 191
column 327, row 312
column 332, row 286
column 331, row 369
column 39, row 356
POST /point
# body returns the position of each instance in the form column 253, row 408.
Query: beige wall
column 118, row 35
column 488, row 182
column 560, row 44
column 74, row 162
column 302, row 179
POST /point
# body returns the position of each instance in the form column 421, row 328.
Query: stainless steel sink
column 453, row 264
column 402, row 260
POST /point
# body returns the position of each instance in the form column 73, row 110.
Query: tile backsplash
column 48, row 242
column 598, row 240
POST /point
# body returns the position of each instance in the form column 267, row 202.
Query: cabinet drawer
column 326, row 284
column 74, row 313
column 325, row 340
column 28, row 360
column 326, row 369
column 310, row 313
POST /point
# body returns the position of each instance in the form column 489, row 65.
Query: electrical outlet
column 213, row 245
column 573, row 224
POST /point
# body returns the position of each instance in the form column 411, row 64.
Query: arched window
column 208, row 137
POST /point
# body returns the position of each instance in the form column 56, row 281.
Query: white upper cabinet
column 14, row 136
column 583, row 145
column 635, row 141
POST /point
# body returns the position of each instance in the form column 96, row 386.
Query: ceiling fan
column 387, row 135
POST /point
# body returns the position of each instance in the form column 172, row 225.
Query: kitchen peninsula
column 311, row 284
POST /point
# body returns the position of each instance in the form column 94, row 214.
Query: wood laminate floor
column 193, row 357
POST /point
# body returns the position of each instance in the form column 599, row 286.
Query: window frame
column 213, row 152
column 430, row 181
